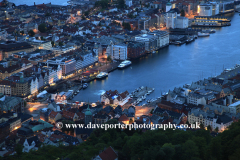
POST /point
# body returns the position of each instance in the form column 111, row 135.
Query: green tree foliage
column 109, row 58
column 150, row 145
column 19, row 149
column 130, row 15
column 182, row 13
column 102, row 3
column 60, row 43
column 121, row 4
column 52, row 42
column 42, row 28
column 83, row 17
column 126, row 26
column 47, row 14
column 86, row 13
column 31, row 33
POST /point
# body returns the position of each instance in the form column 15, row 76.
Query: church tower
column 88, row 116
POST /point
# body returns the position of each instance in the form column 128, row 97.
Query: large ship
column 124, row 64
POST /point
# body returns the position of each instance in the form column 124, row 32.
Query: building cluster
column 211, row 102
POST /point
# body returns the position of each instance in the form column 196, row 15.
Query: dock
column 142, row 92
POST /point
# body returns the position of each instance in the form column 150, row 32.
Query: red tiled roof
column 81, row 115
column 108, row 154
column 67, row 114
column 53, row 114
column 123, row 118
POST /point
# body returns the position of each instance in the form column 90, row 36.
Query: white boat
column 144, row 97
column 142, row 87
column 153, row 89
column 124, row 64
column 200, row 34
column 102, row 75
column 140, row 99
column 78, row 91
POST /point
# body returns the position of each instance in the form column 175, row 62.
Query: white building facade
column 120, row 52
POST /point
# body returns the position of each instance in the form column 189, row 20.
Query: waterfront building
column 115, row 98
column 171, row 19
column 182, row 22
column 135, row 49
column 120, row 52
column 68, row 65
column 162, row 38
column 209, row 119
column 174, row 20
column 85, row 59
column 151, row 42
column 205, row 10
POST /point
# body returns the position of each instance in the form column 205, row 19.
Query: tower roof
column 88, row 112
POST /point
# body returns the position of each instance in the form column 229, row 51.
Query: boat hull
column 103, row 77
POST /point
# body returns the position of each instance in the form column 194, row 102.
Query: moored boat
column 102, row 75
column 124, row 64
column 200, row 34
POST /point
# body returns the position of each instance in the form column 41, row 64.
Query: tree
column 47, row 14
column 42, row 28
column 121, row 4
column 209, row 128
column 99, row 24
column 109, row 58
column 83, row 17
column 60, row 43
column 19, row 149
column 190, row 150
column 130, row 15
column 126, row 26
column 152, row 111
column 182, row 13
column 52, row 42
column 216, row 129
column 86, row 13
column 201, row 126
column 31, row 33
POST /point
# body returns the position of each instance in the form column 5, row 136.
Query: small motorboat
column 85, row 85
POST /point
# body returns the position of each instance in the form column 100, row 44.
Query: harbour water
column 174, row 66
